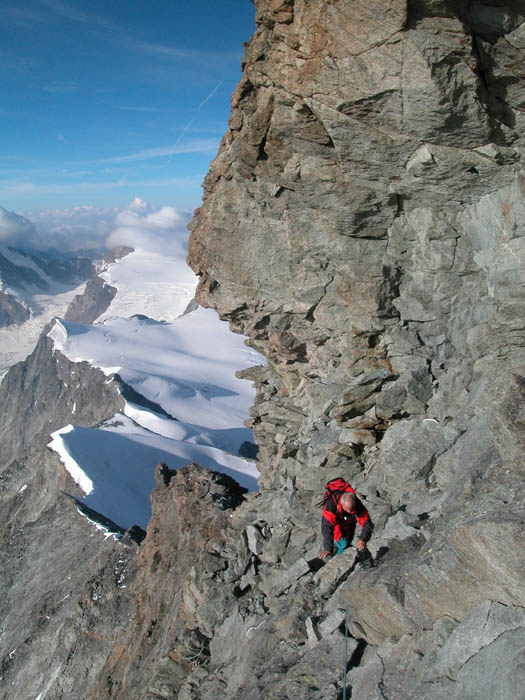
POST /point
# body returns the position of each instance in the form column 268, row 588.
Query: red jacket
column 337, row 523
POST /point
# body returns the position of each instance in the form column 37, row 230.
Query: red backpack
column 334, row 488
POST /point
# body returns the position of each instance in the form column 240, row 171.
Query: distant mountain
column 30, row 282
column 26, row 270
column 11, row 310
column 83, row 422
column 173, row 365
column 176, row 373
column 36, row 286
column 20, row 276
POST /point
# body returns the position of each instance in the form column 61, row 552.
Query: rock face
column 363, row 225
column 64, row 586
column 62, row 605
column 177, row 599
column 46, row 392
column 88, row 306
column 27, row 270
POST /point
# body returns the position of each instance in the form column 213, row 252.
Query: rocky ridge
column 62, row 602
column 63, row 585
column 24, row 270
column 97, row 295
column 88, row 306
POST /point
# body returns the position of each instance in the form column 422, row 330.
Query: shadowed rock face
column 12, row 312
column 45, row 393
column 69, row 271
column 62, row 584
column 179, row 566
column 97, row 295
column 88, row 306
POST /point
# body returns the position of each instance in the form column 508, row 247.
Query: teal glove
column 341, row 545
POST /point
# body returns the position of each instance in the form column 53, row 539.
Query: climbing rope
column 346, row 653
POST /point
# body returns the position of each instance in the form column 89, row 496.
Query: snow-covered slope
column 185, row 369
column 45, row 287
column 18, row 341
column 136, row 278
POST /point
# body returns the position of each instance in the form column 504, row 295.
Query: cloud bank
column 139, row 226
column 15, row 228
column 86, row 228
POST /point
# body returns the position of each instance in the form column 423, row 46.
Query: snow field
column 186, row 367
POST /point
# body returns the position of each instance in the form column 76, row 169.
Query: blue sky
column 107, row 100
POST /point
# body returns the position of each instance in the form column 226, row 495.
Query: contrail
column 212, row 93
column 184, row 130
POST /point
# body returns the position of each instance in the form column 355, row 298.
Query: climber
column 340, row 513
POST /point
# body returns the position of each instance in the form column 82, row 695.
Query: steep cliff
column 363, row 224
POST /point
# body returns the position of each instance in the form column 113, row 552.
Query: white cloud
column 139, row 205
column 161, row 230
column 87, row 227
column 77, row 228
column 15, row 228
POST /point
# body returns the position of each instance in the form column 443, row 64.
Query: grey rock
column 335, row 571
column 332, row 622
column 362, row 224
column 366, row 679
column 405, row 662
column 255, row 539
column 46, row 392
column 275, row 549
column 494, row 20
column 398, row 527
column 408, row 453
column 484, row 624
column 12, row 312
column 97, row 295
column 88, row 306
column 320, row 670
column 62, row 625
column 282, row 580
column 311, row 632
column 496, row 669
